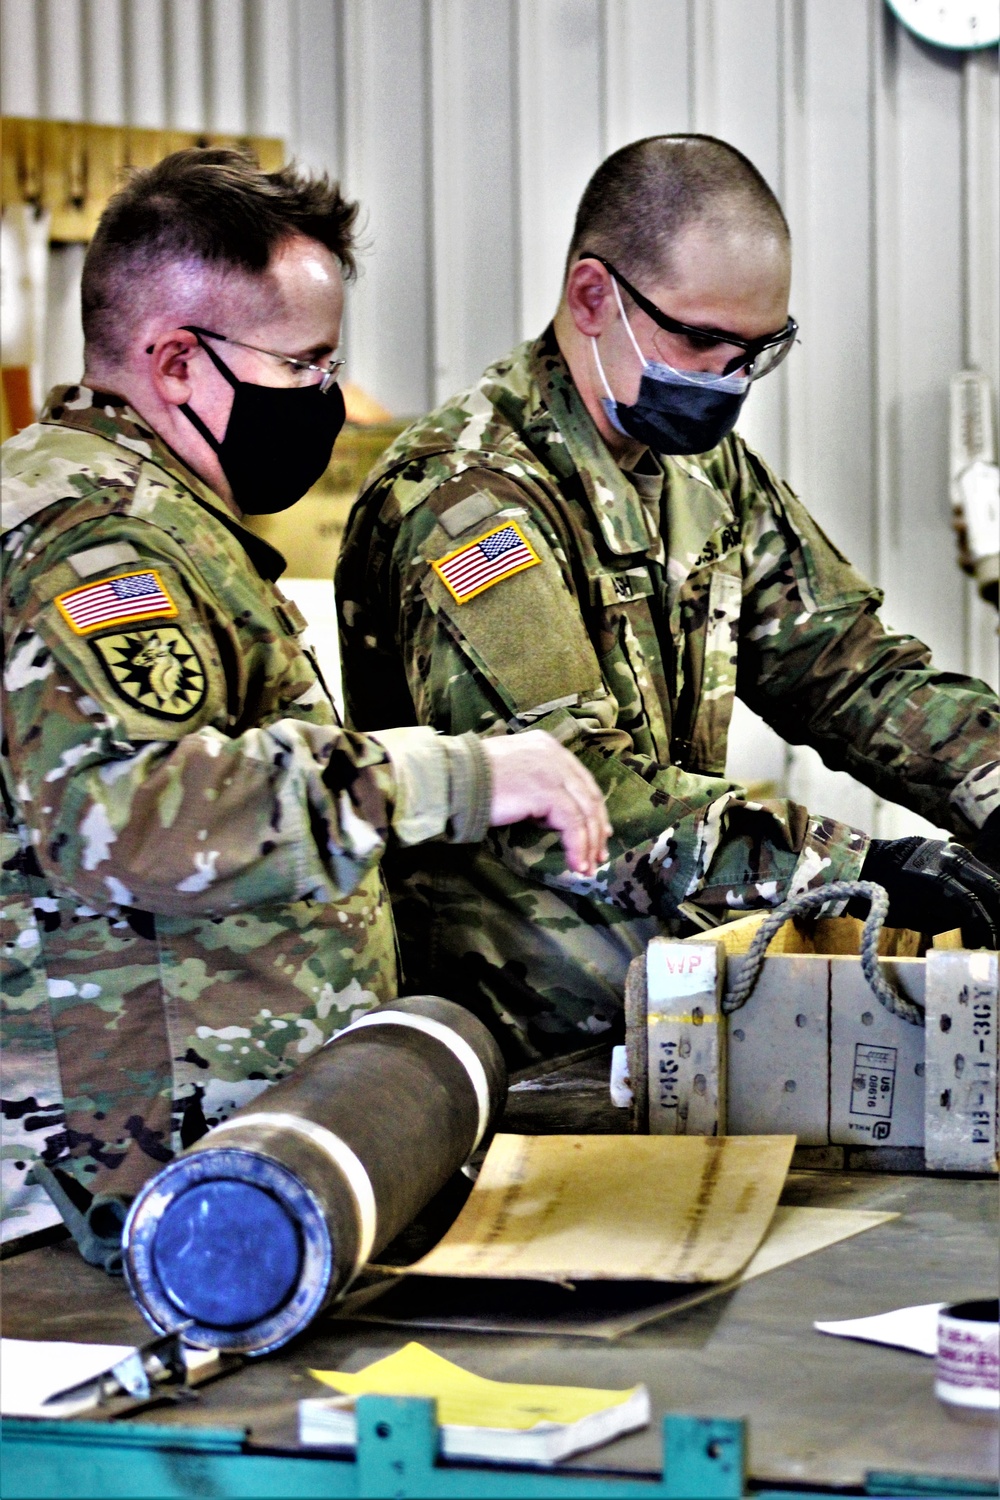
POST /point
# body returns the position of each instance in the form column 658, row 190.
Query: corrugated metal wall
column 469, row 127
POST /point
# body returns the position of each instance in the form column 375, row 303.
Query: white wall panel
column 743, row 102
column 647, row 52
column 468, row 129
column 826, row 151
column 924, row 257
column 104, row 61
column 831, row 370
column 269, row 80
column 981, row 143
column 227, row 64
column 387, row 165
column 739, row 96
column 475, row 201
column 19, row 57
column 186, row 54
column 562, row 132
column 62, row 358
column 61, row 26
column 146, row 63
column 317, row 65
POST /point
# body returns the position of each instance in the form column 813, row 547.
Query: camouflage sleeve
column 140, row 785
column 818, row 664
column 515, row 655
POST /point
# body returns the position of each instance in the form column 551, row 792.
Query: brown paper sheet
column 624, row 1208
column 596, row 1309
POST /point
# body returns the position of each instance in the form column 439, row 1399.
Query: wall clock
column 951, row 23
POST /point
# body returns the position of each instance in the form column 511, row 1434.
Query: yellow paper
column 615, row 1207
column 467, row 1400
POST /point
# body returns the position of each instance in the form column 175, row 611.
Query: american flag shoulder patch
column 480, row 564
column 116, row 601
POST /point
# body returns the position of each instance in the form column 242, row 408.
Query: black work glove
column 986, row 844
column 933, row 887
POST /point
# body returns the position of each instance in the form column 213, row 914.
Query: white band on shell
column 457, row 1045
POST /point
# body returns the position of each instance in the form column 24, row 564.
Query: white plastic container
column 967, row 1373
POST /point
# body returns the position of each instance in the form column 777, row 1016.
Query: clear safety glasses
column 754, row 357
column 301, row 368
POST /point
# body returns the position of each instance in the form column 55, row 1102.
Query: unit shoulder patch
column 477, row 566
column 156, row 670
column 116, row 601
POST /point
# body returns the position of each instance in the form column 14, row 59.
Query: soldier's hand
column 536, row 777
column 934, row 886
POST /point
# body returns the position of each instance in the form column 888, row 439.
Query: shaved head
column 640, row 201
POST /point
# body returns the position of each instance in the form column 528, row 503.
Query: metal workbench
column 819, row 1411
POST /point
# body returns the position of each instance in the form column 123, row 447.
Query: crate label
column 961, row 1100
column 873, row 1084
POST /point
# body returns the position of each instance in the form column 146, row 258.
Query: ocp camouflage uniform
column 184, row 816
column 630, row 610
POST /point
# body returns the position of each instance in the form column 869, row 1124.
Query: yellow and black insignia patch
column 155, row 670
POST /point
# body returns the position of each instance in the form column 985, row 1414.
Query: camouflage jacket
column 500, row 570
column 189, row 898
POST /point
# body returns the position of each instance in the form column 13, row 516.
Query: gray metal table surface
column 820, row 1410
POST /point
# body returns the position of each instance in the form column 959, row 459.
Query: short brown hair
column 641, row 197
column 211, row 205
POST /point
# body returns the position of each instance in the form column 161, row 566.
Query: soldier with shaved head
column 582, row 542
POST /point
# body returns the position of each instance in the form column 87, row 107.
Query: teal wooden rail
column 396, row 1457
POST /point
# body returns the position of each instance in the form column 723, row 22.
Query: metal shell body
column 259, row 1225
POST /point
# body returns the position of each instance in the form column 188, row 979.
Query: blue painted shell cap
column 227, row 1254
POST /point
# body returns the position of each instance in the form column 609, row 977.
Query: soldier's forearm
column 684, row 839
column 767, row 852
column 910, row 732
column 212, row 825
column 443, row 785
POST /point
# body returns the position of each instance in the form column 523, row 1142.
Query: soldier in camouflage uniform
column 190, row 898
column 520, row 558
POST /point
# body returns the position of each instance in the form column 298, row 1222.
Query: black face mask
column 676, row 417
column 277, row 442
column 677, row 411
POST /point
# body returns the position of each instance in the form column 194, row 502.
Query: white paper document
column 905, row 1328
column 33, row 1374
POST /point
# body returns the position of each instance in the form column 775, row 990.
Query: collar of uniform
column 647, row 478
column 626, row 525
column 698, row 517
column 109, row 416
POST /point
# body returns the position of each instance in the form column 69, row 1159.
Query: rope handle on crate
column 837, row 890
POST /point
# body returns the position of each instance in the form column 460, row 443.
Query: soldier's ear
column 169, row 359
column 590, row 298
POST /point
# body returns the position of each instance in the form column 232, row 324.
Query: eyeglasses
column 757, row 356
column 329, row 372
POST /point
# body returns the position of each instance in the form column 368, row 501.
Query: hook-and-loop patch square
column 480, row 564
column 116, row 601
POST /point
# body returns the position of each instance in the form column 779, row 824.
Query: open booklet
column 486, row 1420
